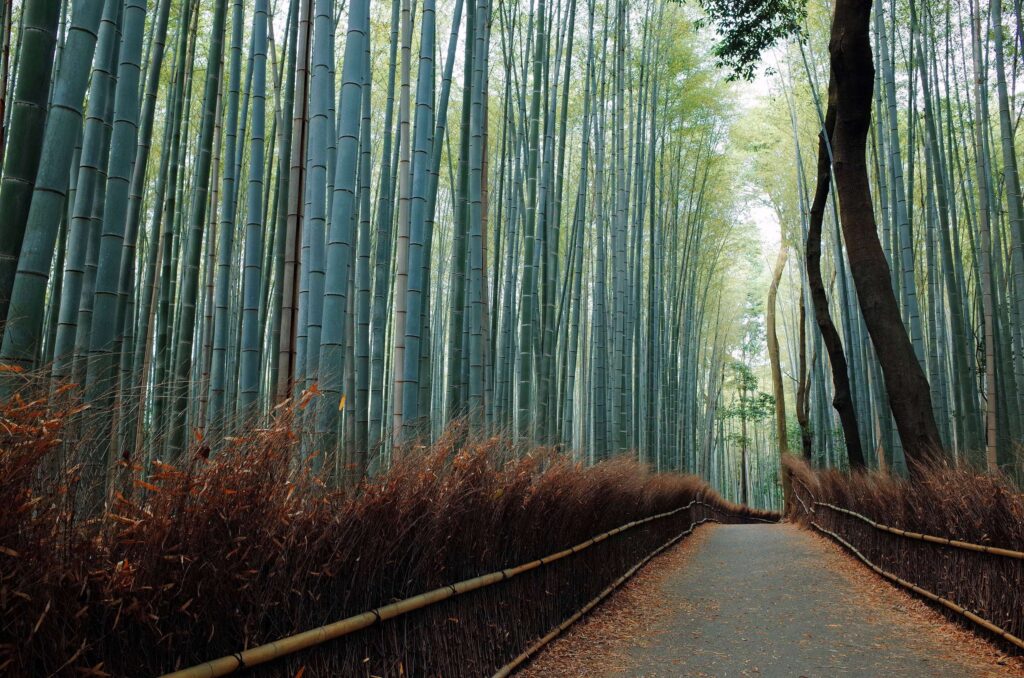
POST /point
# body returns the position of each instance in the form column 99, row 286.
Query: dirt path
column 766, row 600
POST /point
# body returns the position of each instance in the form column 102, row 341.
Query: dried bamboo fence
column 568, row 575
column 980, row 583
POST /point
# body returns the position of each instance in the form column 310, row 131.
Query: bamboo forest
column 377, row 338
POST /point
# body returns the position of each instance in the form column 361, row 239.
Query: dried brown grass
column 954, row 503
column 219, row 552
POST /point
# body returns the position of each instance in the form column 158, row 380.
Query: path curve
column 771, row 600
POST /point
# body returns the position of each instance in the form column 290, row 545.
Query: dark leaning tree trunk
column 802, row 395
column 841, row 400
column 905, row 382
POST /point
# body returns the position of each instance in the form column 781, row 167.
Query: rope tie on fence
column 307, row 639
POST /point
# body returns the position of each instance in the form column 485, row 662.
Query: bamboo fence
column 810, row 509
column 318, row 636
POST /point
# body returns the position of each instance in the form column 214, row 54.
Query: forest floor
column 760, row 600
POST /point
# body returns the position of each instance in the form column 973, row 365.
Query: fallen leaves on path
column 957, row 642
column 600, row 643
column 634, row 617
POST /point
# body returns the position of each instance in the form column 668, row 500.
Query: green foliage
column 751, row 405
column 748, row 28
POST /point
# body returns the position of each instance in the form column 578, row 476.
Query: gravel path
column 775, row 600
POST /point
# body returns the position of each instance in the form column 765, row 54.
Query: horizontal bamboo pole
column 507, row 669
column 984, row 623
column 1019, row 555
column 307, row 639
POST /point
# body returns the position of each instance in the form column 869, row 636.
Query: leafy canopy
column 747, row 28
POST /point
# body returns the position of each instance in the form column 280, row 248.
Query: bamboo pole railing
column 956, row 543
column 525, row 656
column 307, row 639
column 980, row 621
column 807, row 509
column 945, row 602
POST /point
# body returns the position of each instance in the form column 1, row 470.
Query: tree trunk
column 841, row 400
column 25, row 131
column 984, row 244
column 295, row 202
column 906, row 384
column 802, row 395
column 744, row 480
column 778, row 390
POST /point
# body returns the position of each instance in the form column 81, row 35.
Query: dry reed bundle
column 946, row 502
column 215, row 553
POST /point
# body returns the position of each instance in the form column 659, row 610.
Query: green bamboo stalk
column 24, row 131
column 22, row 334
column 251, row 338
column 344, row 213
column 192, row 249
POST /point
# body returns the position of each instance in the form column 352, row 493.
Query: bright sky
column 749, row 94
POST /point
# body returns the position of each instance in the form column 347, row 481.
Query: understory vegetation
column 943, row 501
column 311, row 305
column 209, row 556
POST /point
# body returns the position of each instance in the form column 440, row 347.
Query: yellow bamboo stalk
column 1019, row 555
column 307, row 639
column 507, row 669
column 980, row 621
